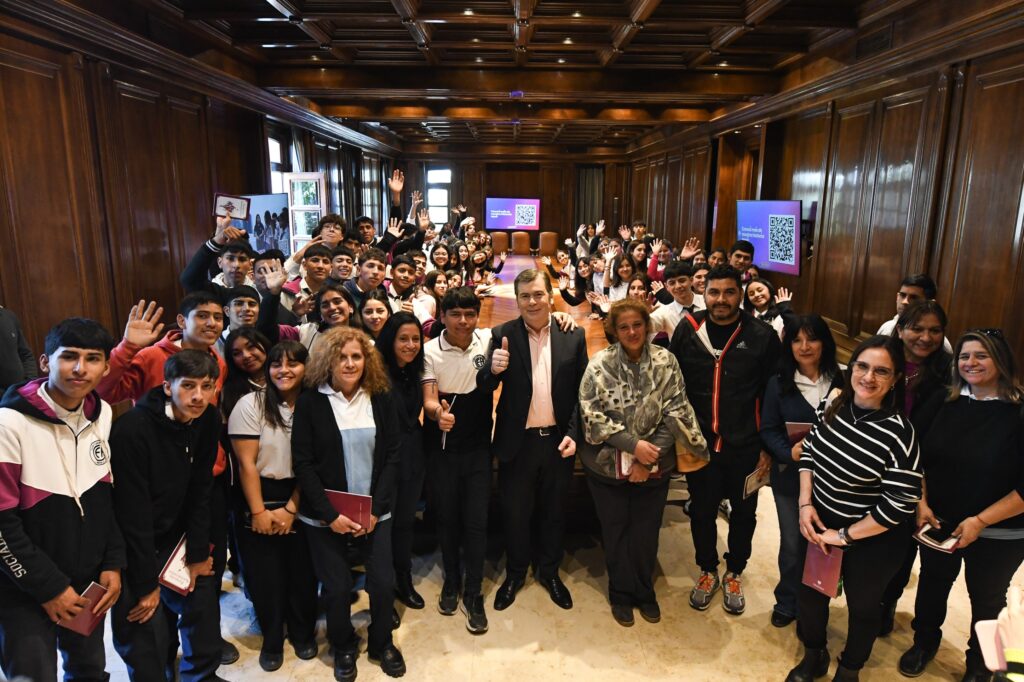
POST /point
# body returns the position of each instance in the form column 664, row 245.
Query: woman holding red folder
column 860, row 481
column 974, row 479
column 345, row 438
column 807, row 374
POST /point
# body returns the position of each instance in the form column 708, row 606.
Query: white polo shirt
column 667, row 317
column 452, row 368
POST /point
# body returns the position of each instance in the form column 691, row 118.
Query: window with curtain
column 589, row 195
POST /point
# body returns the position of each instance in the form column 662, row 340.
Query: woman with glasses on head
column 860, row 481
column 973, row 484
column 922, row 328
column 808, row 373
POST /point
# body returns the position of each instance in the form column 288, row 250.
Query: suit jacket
column 568, row 363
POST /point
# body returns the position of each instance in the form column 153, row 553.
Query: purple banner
column 773, row 227
column 512, row 214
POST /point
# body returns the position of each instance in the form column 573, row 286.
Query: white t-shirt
column 247, row 421
column 452, row 368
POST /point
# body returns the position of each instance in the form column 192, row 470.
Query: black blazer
column 319, row 460
column 568, row 363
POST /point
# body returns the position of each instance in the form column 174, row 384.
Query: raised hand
column 423, row 218
column 144, row 327
column 490, row 278
column 417, row 197
column 783, row 295
column 503, row 256
column 690, row 248
column 395, row 227
column 462, row 208
column 599, row 229
column 500, row 358
column 276, row 276
column 303, row 305
column 223, row 223
column 545, row 260
column 625, row 233
column 446, row 420
column 656, row 287
column 564, row 321
column 397, row 182
column 563, row 281
column 656, row 247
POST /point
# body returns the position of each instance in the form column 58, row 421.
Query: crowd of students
column 357, row 365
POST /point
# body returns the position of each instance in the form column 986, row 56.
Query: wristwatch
column 844, row 537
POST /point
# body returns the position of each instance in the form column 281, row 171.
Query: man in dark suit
column 540, row 368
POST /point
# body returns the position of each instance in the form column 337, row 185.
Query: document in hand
column 941, row 539
column 755, row 482
column 797, row 431
column 355, row 507
column 822, row 571
column 86, row 621
column 624, row 462
column 174, row 575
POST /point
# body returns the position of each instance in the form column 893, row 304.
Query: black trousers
column 630, row 517
column 332, row 559
column 403, row 517
column 894, row 590
column 279, row 577
column 723, row 478
column 536, row 480
column 149, row 649
column 990, row 565
column 792, row 550
column 461, row 487
column 29, row 642
column 867, row 569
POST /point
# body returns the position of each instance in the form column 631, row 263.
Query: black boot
column 813, row 665
column 888, row 619
column 845, row 674
column 406, row 593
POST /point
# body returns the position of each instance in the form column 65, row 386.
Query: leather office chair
column 521, row 243
column 548, row 243
column 499, row 242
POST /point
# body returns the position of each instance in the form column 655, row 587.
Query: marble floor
column 536, row 641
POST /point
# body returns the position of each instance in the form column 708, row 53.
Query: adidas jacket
column 48, row 538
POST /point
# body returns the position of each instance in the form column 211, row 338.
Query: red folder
column 175, row 574
column 355, row 507
column 797, row 431
column 822, row 571
column 86, row 621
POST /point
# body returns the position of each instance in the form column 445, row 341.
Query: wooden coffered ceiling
column 479, row 72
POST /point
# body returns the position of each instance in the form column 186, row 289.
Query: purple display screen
column 773, row 227
column 512, row 214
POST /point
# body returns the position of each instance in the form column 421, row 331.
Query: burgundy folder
column 797, row 431
column 86, row 621
column 822, row 571
column 355, row 507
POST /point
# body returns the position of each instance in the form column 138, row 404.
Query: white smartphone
column 991, row 644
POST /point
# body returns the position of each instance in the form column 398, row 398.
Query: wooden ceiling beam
column 624, row 115
column 523, row 30
column 757, row 12
column 292, row 12
column 420, row 32
column 639, row 12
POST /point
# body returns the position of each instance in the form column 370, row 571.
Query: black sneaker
column 448, row 600
column 476, row 617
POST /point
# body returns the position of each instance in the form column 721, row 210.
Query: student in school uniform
column 162, row 453
column 58, row 530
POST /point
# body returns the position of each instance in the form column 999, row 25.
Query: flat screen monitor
column 773, row 227
column 512, row 214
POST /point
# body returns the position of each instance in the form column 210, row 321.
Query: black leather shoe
column 345, row 666
column 888, row 620
column 406, row 593
column 650, row 612
column 390, row 661
column 781, row 620
column 558, row 591
column 506, row 594
column 844, row 674
column 976, row 675
column 813, row 665
column 623, row 615
column 306, row 650
column 914, row 660
column 228, row 652
column 271, row 662
column 448, row 600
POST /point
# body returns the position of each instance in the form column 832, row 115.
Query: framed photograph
column 268, row 222
column 238, row 207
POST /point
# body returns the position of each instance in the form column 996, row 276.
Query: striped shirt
column 868, row 466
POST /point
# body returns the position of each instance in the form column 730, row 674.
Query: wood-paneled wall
column 107, row 176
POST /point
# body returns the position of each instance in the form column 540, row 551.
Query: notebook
column 822, row 571
column 355, row 507
column 86, row 621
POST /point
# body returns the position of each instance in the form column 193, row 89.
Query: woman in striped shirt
column 860, row 481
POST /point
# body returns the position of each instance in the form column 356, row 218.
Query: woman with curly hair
column 345, row 437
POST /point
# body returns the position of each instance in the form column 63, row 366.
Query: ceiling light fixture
column 479, row 60
column 561, row 61
column 475, row 40
column 468, row 12
column 723, row 63
column 577, row 15
column 567, row 41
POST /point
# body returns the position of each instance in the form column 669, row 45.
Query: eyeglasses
column 535, row 298
column 864, row 368
column 993, row 332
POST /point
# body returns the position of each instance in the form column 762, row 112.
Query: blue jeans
column 792, row 549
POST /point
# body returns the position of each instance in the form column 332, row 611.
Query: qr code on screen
column 526, row 215
column 782, row 239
